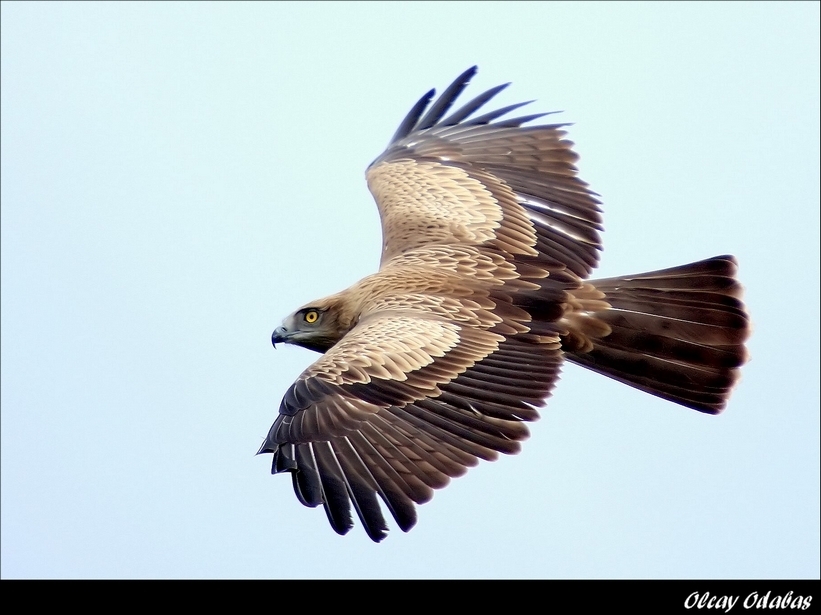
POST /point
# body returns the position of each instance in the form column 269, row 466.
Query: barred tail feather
column 676, row 333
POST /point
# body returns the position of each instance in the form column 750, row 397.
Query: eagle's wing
column 474, row 212
column 485, row 181
column 400, row 405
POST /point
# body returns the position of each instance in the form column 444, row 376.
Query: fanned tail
column 675, row 333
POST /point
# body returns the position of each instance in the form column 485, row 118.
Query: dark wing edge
column 415, row 122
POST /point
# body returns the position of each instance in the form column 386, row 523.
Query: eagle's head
column 316, row 326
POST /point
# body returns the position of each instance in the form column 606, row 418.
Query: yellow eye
column 311, row 317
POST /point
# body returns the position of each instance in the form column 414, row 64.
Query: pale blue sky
column 177, row 178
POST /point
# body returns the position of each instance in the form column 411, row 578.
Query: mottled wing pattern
column 502, row 184
column 403, row 403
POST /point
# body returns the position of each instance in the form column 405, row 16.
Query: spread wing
column 403, row 403
column 485, row 226
column 484, row 180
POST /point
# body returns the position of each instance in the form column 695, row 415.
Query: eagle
column 442, row 357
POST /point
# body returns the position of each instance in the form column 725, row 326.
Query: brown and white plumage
column 440, row 358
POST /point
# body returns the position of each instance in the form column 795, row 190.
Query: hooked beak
column 279, row 336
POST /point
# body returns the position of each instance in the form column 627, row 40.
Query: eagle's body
column 439, row 358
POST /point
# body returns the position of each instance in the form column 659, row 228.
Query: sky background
column 177, row 178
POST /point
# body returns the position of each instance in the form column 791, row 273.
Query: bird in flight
column 441, row 358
